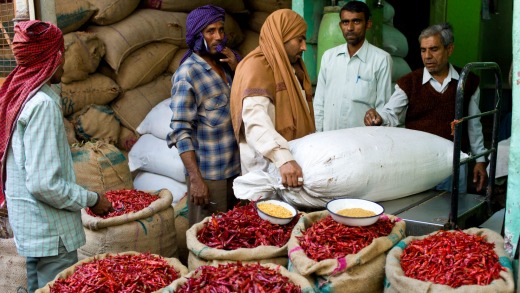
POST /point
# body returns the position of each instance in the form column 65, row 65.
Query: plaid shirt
column 43, row 199
column 201, row 120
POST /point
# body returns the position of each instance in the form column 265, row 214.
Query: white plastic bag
column 157, row 121
column 151, row 181
column 152, row 154
column 374, row 163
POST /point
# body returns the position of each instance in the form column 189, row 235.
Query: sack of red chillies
column 123, row 272
column 340, row 258
column 238, row 235
column 150, row 229
column 450, row 261
column 239, row 277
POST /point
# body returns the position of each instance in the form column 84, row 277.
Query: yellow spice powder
column 275, row 210
column 355, row 212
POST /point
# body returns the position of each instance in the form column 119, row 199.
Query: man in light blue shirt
column 353, row 77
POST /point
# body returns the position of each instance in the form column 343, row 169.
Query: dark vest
column 433, row 112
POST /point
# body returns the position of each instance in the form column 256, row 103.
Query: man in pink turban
column 37, row 174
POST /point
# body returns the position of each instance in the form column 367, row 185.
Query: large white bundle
column 151, row 181
column 157, row 121
column 374, row 163
column 152, row 154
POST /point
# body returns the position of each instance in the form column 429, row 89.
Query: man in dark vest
column 425, row 100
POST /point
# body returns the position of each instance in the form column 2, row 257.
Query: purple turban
column 197, row 20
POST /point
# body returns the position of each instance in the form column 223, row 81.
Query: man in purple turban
column 201, row 123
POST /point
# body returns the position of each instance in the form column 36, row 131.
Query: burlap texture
column 112, row 11
column 267, row 5
column 180, row 268
column 396, row 281
column 71, row 15
column 13, row 272
column 181, row 226
column 234, row 6
column 96, row 122
column 83, row 52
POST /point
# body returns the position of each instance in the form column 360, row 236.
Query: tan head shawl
column 267, row 71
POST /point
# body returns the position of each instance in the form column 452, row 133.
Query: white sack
column 157, row 121
column 152, row 154
column 374, row 163
column 151, row 181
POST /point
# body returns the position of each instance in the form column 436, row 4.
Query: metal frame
column 452, row 222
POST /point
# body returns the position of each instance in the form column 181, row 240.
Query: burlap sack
column 145, row 64
column 69, row 129
column 250, row 42
column 176, row 60
column 140, row 28
column 267, row 5
column 149, row 230
column 96, row 122
column 234, row 33
column 256, row 20
column 294, row 278
column 234, row 6
column 112, row 11
column 132, row 106
column 181, row 225
column 96, row 89
column 396, row 281
column 71, row 15
column 180, row 268
column 201, row 254
column 83, row 51
column 101, row 167
column 127, row 139
column 360, row 272
column 13, row 274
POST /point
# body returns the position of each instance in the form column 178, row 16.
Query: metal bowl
column 273, row 219
column 339, row 204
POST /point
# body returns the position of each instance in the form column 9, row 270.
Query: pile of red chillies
column 451, row 258
column 127, row 200
column 235, row 277
column 327, row 238
column 241, row 227
column 119, row 273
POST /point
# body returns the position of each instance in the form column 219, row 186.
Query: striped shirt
column 43, row 200
column 201, row 120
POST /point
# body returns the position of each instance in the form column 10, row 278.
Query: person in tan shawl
column 271, row 98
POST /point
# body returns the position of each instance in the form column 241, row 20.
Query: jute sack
column 149, row 230
column 181, row 225
column 140, row 28
column 396, row 281
column 83, row 51
column 360, row 272
column 201, row 254
column 69, row 129
column 145, row 64
column 267, row 5
column 294, row 278
column 96, row 122
column 13, row 274
column 127, row 139
column 71, row 15
column 234, row 33
column 132, row 106
column 176, row 60
column 101, row 167
column 256, row 20
column 180, row 268
column 234, row 6
column 250, row 42
column 96, row 89
column 112, row 11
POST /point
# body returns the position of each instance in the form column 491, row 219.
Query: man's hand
column 230, row 59
column 372, row 118
column 103, row 206
column 480, row 175
column 292, row 175
column 199, row 191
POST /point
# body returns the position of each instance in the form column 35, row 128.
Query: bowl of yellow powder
column 275, row 211
column 354, row 211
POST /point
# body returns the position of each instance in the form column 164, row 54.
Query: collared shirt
column 394, row 112
column 349, row 86
column 43, row 199
column 201, row 120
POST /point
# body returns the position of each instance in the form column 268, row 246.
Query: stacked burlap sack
column 397, row 281
column 363, row 271
column 151, row 229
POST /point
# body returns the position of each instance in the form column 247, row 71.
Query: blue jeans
column 463, row 181
column 42, row 270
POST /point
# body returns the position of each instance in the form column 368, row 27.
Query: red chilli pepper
column 452, row 258
column 127, row 201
